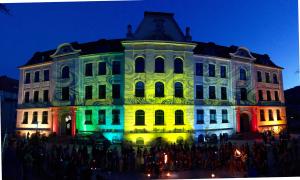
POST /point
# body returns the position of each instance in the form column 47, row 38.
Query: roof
column 8, row 84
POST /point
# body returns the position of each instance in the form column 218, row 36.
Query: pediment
column 242, row 53
column 64, row 49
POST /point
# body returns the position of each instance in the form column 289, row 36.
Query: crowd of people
column 34, row 158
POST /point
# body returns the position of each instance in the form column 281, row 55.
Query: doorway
column 244, row 123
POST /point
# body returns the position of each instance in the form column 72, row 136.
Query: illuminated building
column 155, row 83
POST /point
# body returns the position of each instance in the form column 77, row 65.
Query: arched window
column 159, row 117
column 65, row 72
column 139, row 141
column 159, row 89
column 139, row 117
column 139, row 89
column 178, row 66
column 178, row 117
column 159, row 65
column 140, row 65
column 275, row 80
column 242, row 74
column 178, row 89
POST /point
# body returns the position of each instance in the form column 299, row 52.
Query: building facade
column 155, row 83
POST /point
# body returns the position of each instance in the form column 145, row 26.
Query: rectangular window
column 46, row 96
column 223, row 71
column 25, row 118
column 102, row 91
column 89, row 69
column 27, row 78
column 212, row 92
column 199, row 92
column 34, row 118
column 200, row 116
column 88, row 117
column 259, row 78
column 270, row 115
column 65, row 96
column 88, row 92
column 116, row 91
column 102, row 68
column 260, row 95
column 278, row 114
column 116, row 117
column 36, row 96
column 101, row 117
column 276, row 96
column 269, row 96
column 46, row 75
column 213, row 118
column 262, row 115
column 199, row 69
column 26, row 99
column 224, row 116
column 243, row 92
column 37, row 76
column 45, row 117
column 116, row 69
column 211, row 70
column 223, row 93
column 267, row 77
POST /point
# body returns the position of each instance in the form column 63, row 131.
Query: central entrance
column 66, row 125
column 244, row 123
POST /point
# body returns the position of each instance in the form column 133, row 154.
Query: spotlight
column 148, row 175
column 213, row 175
column 168, row 174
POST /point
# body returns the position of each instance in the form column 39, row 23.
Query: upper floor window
column 27, row 78
column 116, row 94
column 36, row 96
column 275, row 80
column 243, row 74
column 276, row 95
column 223, row 93
column 159, row 65
column 88, row 92
column 224, row 116
column 178, row 66
column 260, row 95
column 179, row 117
column 199, row 92
column 278, row 114
column 200, row 116
column 139, row 117
column 211, row 70
column 140, row 65
column 212, row 92
column 88, row 117
column 46, row 75
column 267, row 77
column 243, row 94
column 26, row 99
column 262, row 115
column 116, row 117
column 223, row 71
column 89, row 69
column 102, row 68
column 46, row 95
column 139, row 89
column 37, row 76
column 159, row 89
column 178, row 89
column 269, row 96
column 102, row 91
column 65, row 96
column 34, row 118
column 101, row 117
column 45, row 117
column 159, row 117
column 25, row 118
column 116, row 69
column 199, row 69
column 270, row 115
column 65, row 73
column 213, row 118
column 259, row 78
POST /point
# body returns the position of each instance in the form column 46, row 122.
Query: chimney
column 188, row 36
column 129, row 34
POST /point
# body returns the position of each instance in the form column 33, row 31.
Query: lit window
column 224, row 116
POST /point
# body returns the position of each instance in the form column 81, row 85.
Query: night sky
column 266, row 27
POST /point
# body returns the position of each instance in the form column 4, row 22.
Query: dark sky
column 266, row 27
